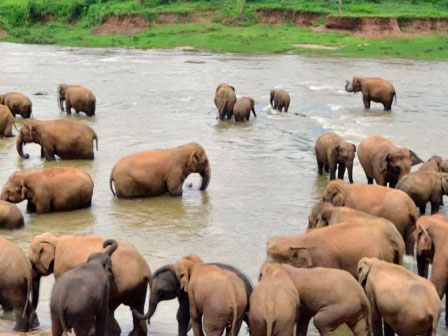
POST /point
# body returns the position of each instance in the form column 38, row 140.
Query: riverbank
column 363, row 29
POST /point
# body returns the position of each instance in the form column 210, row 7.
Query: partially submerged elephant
column 243, row 107
column 77, row 97
column 50, row 190
column 280, row 100
column 16, row 286
column 433, row 164
column 6, row 122
column 18, row 103
column 373, row 89
column 10, row 216
column 156, row 172
column 131, row 274
column 225, row 99
column 64, row 138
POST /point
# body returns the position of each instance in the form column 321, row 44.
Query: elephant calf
column 225, row 99
column 78, row 97
column 243, row 107
column 332, row 153
column 50, row 190
column 424, row 187
column 6, row 121
column 17, row 103
column 15, row 286
column 373, row 89
column 80, row 297
column 433, row 164
column 10, row 216
column 280, row 100
column 64, row 138
column 408, row 303
column 274, row 304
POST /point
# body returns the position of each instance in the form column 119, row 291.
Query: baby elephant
column 408, row 303
column 242, row 109
column 274, row 304
column 425, row 186
column 332, row 153
column 433, row 164
column 78, row 97
column 80, row 297
column 6, row 121
column 280, row 100
column 18, row 104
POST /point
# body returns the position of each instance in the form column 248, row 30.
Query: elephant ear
column 364, row 267
column 385, row 163
column 25, row 192
column 415, row 158
column 46, row 254
column 193, row 161
column 337, row 197
column 301, row 257
column 424, row 240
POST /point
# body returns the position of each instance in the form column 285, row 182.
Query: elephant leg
column 327, row 168
column 8, row 131
column 302, row 324
column 422, row 209
column 388, row 331
column 434, row 207
column 446, row 307
column 183, row 314
column 7, row 306
column 101, row 321
column 377, row 326
column 388, row 104
column 112, row 327
column 82, row 328
column 366, row 101
column 49, row 153
column 42, row 154
column 409, row 243
column 422, row 267
column 286, row 107
column 140, row 328
column 320, row 167
column 68, row 107
column 196, row 324
column 56, row 326
column 369, row 180
column 174, row 185
column 30, row 207
column 333, row 172
column 43, row 206
column 327, row 321
column 360, row 328
column 341, row 171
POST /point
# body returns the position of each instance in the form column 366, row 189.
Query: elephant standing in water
column 16, row 286
column 64, row 138
column 280, row 100
column 131, row 274
column 243, row 107
column 225, row 100
column 373, row 89
column 78, row 97
column 156, row 172
column 6, row 122
column 18, row 104
column 433, row 164
column 10, row 216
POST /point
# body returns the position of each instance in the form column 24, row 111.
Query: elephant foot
column 137, row 332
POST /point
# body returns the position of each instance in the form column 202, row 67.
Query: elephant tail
column 234, row 306
column 111, row 179
column 269, row 327
column 28, row 294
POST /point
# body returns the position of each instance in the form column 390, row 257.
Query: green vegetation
column 233, row 28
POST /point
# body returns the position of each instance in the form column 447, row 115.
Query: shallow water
column 264, row 177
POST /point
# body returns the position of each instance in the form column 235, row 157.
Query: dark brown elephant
column 280, row 100
column 17, row 103
column 225, row 99
column 131, row 274
column 243, row 107
column 433, row 164
column 156, row 172
column 373, row 89
column 64, row 138
column 424, row 187
column 332, row 153
column 16, row 286
column 50, row 190
column 6, row 122
column 10, row 216
column 78, row 97
column 384, row 162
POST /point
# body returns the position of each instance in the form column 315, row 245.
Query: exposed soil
column 125, row 25
column 3, row 32
column 195, row 16
column 277, row 17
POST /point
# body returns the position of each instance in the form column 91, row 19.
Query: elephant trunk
column 60, row 100
column 350, row 173
column 153, row 302
column 19, row 145
column 35, row 286
column 348, row 86
column 205, row 174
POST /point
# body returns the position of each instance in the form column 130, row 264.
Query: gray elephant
column 280, row 100
column 373, row 89
column 18, row 104
column 10, row 216
column 6, row 122
column 16, row 286
column 332, row 153
column 78, row 97
column 80, row 297
column 225, row 99
column 165, row 286
column 243, row 107
column 433, row 164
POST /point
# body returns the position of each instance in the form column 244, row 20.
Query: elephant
column 64, row 138
column 10, row 216
column 6, row 121
column 131, row 274
column 156, row 172
column 17, row 103
column 444, row 166
column 225, row 100
column 332, row 153
column 89, row 311
column 274, row 304
column 242, row 108
column 50, row 190
column 336, row 246
column 373, row 89
column 424, row 187
column 165, row 286
column 332, row 297
column 432, row 234
column 78, row 97
column 408, row 303
column 385, row 162
column 433, row 164
column 280, row 100
column 217, row 297
column 392, row 204
column 16, row 286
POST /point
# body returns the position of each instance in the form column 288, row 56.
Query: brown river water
column 264, row 175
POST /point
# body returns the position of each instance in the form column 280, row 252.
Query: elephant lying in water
column 156, row 172
column 131, row 274
column 78, row 97
column 49, row 190
column 64, row 138
column 373, row 89
column 17, row 103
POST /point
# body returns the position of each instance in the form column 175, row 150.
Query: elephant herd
column 345, row 269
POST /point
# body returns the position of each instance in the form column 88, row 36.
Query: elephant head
column 13, row 190
column 444, row 166
column 300, row 257
column 198, row 163
column 364, row 266
column 334, row 193
column 398, row 163
column 183, row 270
column 344, row 153
column 355, row 85
column 28, row 133
column 320, row 215
column 61, row 95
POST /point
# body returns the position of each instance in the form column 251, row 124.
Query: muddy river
column 264, row 176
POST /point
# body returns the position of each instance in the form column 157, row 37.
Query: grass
column 70, row 22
